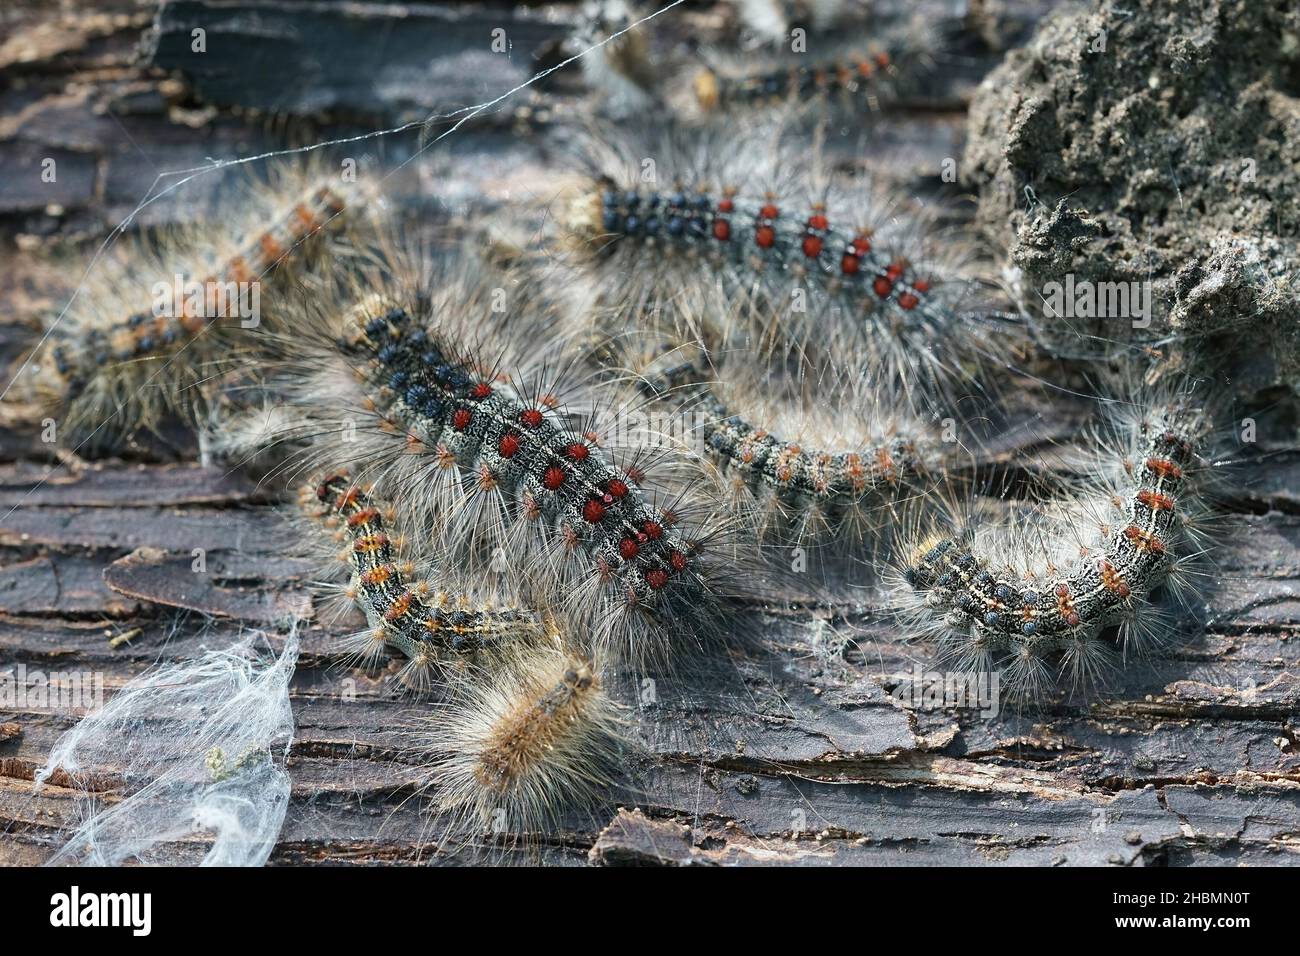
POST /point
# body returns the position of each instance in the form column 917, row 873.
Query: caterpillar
column 1020, row 597
column 158, row 319
column 779, row 262
column 530, row 733
column 807, row 461
column 425, row 624
column 853, row 76
column 530, row 741
column 532, row 730
column 474, row 445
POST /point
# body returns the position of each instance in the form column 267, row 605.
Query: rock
column 1156, row 142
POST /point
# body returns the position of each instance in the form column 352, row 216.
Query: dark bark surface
column 794, row 753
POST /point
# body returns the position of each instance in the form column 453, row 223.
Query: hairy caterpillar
column 530, row 740
column 423, row 623
column 429, row 392
column 803, row 460
column 532, row 732
column 999, row 597
column 765, row 257
column 158, row 319
column 852, row 76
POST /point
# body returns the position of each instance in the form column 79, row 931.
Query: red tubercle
column 553, row 478
column 628, row 549
column 480, row 391
column 364, row 516
column 461, row 418
column 921, row 285
column 509, row 445
column 769, row 211
column 883, row 287
column 851, row 262
column 765, row 237
column 531, row 417
column 721, row 224
column 1065, row 605
column 882, row 60
column 908, row 301
column 895, row 270
column 678, row 561
column 593, row 511
column 656, row 578
column 1112, row 580
column 1144, row 540
column 616, row 488
column 653, row 530
column 578, row 452
column 1155, row 501
column 1164, row 468
column 812, row 246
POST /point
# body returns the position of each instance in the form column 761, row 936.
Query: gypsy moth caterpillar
column 748, row 250
column 849, row 73
column 804, row 460
column 455, row 412
column 159, row 317
column 530, row 741
column 424, row 622
column 1021, row 597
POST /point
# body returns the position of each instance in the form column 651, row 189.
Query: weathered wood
column 388, row 65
